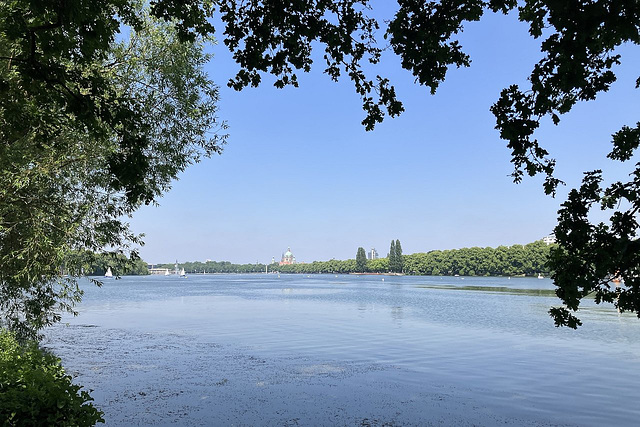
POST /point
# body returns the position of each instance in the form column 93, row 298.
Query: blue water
column 348, row 350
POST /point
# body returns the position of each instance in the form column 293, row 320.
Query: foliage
column 379, row 265
column 393, row 262
column 35, row 390
column 217, row 267
column 361, row 260
column 278, row 37
column 516, row 260
column 90, row 129
column 590, row 257
column 399, row 265
column 96, row 264
column 396, row 261
column 332, row 266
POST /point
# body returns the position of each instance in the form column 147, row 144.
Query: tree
column 398, row 258
column 90, row 129
column 378, row 265
column 529, row 260
column 96, row 264
column 361, row 260
column 392, row 257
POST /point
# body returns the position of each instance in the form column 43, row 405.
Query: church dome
column 288, row 258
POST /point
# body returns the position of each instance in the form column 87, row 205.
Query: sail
column 108, row 273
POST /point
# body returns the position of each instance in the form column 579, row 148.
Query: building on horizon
column 551, row 238
column 288, row 258
column 372, row 254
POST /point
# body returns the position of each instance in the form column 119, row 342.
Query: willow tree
column 91, row 128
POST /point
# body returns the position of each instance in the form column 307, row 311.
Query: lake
column 348, row 350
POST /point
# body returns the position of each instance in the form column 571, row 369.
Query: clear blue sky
column 300, row 171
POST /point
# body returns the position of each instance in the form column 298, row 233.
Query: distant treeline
column 96, row 264
column 513, row 260
column 516, row 260
column 215, row 267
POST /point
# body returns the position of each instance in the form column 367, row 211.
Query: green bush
column 34, row 389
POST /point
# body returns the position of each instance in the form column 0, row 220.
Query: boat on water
column 108, row 273
column 182, row 273
column 175, row 269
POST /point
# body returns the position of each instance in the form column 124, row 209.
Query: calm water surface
column 348, row 350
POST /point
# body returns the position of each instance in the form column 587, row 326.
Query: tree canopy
column 392, row 256
column 361, row 260
column 217, row 267
column 93, row 124
column 516, row 260
column 396, row 261
column 399, row 266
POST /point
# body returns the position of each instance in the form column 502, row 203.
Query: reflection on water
column 522, row 291
column 348, row 350
column 397, row 314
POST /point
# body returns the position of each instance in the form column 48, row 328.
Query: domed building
column 288, row 258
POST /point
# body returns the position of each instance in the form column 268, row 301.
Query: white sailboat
column 108, row 273
column 182, row 273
